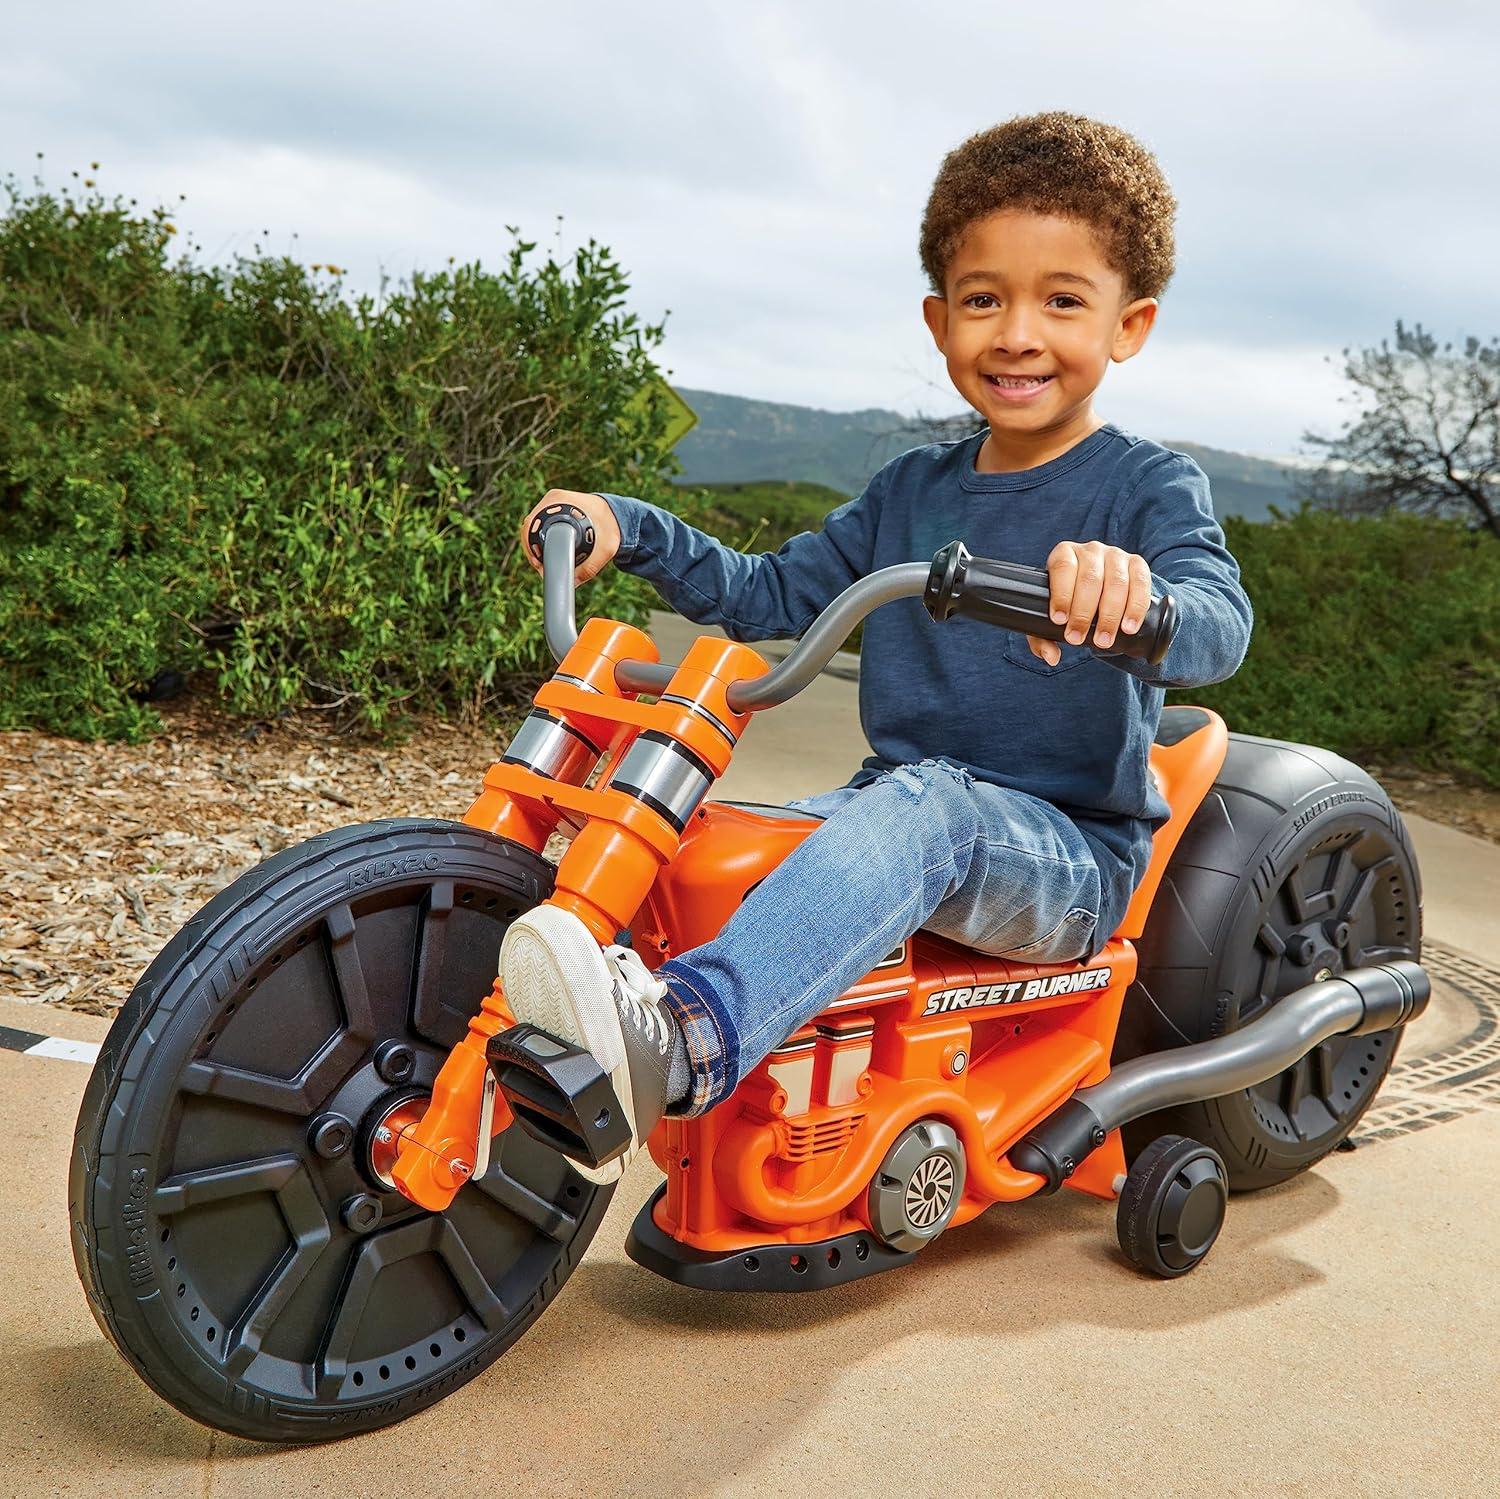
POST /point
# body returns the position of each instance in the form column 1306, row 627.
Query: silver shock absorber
column 664, row 774
column 546, row 744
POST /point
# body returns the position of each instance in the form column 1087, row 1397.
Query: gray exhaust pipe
column 1356, row 1003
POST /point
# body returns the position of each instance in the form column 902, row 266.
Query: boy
column 1008, row 805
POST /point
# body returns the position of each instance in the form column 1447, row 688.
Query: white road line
column 65, row 1051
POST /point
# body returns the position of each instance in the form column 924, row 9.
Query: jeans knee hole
column 915, row 778
column 907, row 780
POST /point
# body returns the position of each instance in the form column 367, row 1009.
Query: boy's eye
column 983, row 301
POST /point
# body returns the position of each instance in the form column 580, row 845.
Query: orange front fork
column 626, row 832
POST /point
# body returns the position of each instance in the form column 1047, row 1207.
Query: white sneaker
column 604, row 1001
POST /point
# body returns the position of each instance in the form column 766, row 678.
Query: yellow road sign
column 681, row 418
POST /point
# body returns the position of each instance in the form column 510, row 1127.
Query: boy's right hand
column 601, row 517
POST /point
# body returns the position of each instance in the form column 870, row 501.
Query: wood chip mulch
column 107, row 849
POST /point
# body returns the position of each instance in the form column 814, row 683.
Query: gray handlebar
column 810, row 655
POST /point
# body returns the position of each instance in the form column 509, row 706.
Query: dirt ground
column 106, row 849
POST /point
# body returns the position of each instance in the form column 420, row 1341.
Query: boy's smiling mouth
column 1017, row 387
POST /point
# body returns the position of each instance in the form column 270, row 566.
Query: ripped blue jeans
column 923, row 845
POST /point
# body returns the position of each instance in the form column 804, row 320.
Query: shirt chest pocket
column 1018, row 653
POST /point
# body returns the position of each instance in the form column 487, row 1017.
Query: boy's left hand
column 1089, row 578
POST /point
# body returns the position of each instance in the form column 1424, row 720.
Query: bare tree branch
column 1429, row 443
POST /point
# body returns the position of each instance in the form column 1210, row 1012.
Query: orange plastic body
column 934, row 1031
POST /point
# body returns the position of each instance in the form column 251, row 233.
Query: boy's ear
column 1136, row 322
column 935, row 315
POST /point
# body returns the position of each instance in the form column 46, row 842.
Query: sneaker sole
column 551, row 963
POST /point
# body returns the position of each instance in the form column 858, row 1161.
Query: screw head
column 959, row 1062
column 1098, row 1135
column 361, row 1212
column 331, row 1135
column 395, row 1061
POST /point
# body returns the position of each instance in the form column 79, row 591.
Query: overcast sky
column 760, row 168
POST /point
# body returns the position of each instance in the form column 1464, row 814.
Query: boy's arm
column 775, row 595
column 1169, row 520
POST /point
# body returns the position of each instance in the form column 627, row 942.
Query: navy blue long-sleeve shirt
column 1077, row 734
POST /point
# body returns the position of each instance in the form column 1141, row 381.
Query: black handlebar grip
column 1020, row 598
column 561, row 514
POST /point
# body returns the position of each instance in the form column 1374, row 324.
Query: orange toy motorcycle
column 316, row 1183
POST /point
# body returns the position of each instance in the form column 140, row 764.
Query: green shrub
column 1378, row 637
column 314, row 496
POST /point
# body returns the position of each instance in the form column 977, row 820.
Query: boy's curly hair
column 1062, row 164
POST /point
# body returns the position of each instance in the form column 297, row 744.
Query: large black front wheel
column 230, row 1222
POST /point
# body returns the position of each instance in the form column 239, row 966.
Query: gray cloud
column 760, row 170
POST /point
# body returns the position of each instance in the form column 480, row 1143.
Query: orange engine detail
column 934, row 1032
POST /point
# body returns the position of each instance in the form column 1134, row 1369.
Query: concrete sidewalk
column 1339, row 1340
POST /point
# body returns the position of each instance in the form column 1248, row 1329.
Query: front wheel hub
column 388, row 1126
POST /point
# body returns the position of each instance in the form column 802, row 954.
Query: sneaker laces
column 637, row 991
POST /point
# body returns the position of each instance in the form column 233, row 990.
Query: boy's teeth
column 1019, row 379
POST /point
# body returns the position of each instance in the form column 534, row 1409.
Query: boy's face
column 1030, row 294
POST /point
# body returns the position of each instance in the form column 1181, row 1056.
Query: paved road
column 1339, row 1340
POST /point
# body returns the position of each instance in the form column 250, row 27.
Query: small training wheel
column 1173, row 1205
column 549, row 516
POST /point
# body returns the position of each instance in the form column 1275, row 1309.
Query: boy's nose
column 1017, row 334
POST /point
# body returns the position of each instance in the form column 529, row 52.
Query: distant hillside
column 739, row 441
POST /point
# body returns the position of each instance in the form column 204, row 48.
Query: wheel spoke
column 300, row 1095
column 349, row 974
column 1364, row 956
column 1292, row 888
column 1362, row 888
column 1320, row 1065
column 1293, row 1091
column 1338, row 865
column 434, row 1234
column 214, row 1183
column 517, row 1198
column 311, row 1232
column 427, row 964
column 1270, row 939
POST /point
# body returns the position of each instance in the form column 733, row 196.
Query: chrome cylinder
column 557, row 750
column 667, row 776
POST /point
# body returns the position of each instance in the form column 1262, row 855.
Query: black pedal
column 559, row 1094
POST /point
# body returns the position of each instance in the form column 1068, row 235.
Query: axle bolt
column 1302, row 949
column 361, row 1212
column 395, row 1061
column 331, row 1135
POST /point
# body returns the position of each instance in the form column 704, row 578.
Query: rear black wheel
column 230, row 1221
column 1294, row 867
column 1172, row 1207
